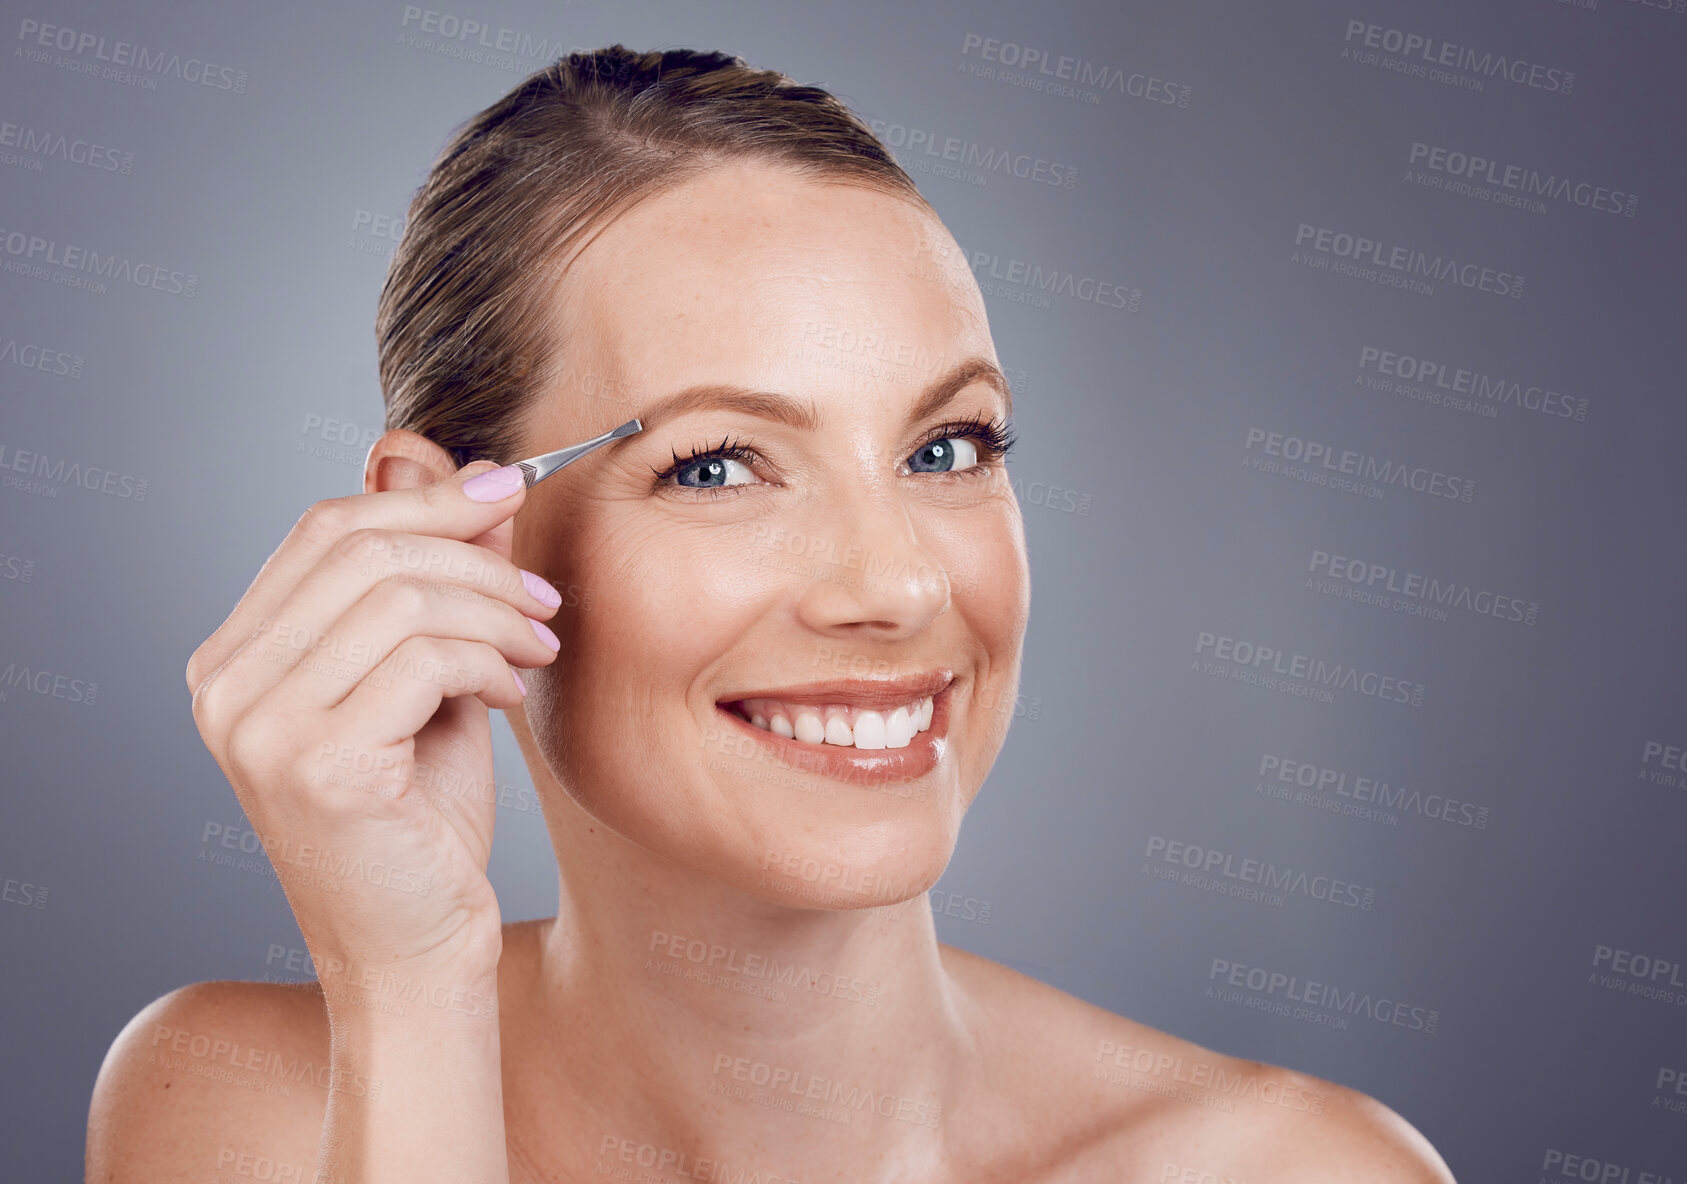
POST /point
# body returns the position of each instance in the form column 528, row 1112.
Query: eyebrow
column 801, row 413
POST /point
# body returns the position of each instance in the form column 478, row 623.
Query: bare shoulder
column 214, row 1080
column 1133, row 1102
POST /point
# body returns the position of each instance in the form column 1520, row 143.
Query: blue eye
column 962, row 445
column 710, row 468
column 944, row 456
column 712, row 472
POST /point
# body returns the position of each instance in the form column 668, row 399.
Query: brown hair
column 460, row 329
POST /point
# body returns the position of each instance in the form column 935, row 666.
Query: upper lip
column 870, row 694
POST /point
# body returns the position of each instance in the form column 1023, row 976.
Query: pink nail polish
column 520, row 686
column 494, row 484
column 545, row 635
column 541, row 589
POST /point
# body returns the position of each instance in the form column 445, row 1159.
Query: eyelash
column 993, row 436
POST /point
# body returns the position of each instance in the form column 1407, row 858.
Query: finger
column 451, row 509
column 312, row 622
column 369, row 638
column 386, row 715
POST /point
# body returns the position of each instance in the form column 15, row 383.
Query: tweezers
column 536, row 469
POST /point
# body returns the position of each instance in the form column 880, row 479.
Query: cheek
column 990, row 587
column 984, row 554
column 660, row 609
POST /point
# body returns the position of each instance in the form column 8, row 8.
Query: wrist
column 458, row 977
column 376, row 993
column 374, row 997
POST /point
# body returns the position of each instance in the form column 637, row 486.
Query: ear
column 402, row 459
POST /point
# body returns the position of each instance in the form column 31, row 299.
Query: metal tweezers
column 536, row 469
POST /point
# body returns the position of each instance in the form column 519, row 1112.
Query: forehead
column 748, row 274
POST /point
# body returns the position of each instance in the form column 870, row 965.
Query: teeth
column 870, row 731
column 899, row 728
column 846, row 727
column 837, row 727
column 809, row 728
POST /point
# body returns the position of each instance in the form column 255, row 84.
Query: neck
column 679, row 1012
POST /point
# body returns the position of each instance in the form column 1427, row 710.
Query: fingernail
column 541, row 589
column 520, row 686
column 545, row 635
column 494, row 484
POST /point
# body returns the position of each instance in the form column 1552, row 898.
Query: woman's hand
column 346, row 699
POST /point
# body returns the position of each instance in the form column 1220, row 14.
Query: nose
column 867, row 574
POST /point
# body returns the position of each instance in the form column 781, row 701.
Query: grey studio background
column 1347, row 341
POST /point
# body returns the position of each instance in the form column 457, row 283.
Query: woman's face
column 856, row 547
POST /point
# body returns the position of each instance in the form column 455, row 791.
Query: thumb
column 500, row 539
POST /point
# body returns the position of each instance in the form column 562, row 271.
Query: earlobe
column 402, row 459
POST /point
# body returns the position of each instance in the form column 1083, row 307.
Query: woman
column 759, row 658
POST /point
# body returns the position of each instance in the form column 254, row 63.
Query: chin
column 846, row 794
column 854, row 786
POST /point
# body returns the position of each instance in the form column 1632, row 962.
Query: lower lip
column 867, row 767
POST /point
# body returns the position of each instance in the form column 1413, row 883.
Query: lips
column 876, row 693
column 888, row 729
column 841, row 724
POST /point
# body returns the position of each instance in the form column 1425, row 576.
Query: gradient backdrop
column 1348, row 348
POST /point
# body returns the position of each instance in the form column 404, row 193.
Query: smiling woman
column 797, row 601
